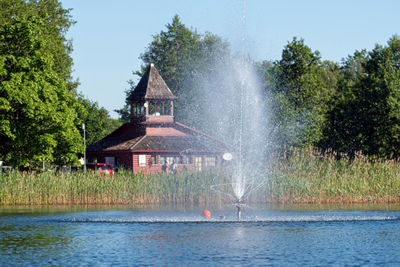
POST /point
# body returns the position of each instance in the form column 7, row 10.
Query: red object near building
column 101, row 168
column 153, row 137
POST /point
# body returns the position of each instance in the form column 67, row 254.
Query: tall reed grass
column 309, row 176
column 301, row 176
column 50, row 188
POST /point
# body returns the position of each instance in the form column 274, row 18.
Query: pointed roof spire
column 151, row 87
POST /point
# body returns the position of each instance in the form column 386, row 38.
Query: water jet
column 239, row 204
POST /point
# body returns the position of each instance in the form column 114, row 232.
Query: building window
column 142, row 110
column 142, row 160
column 153, row 160
column 138, row 109
column 154, row 109
column 188, row 159
column 198, row 162
column 165, row 107
column 210, row 161
column 170, row 159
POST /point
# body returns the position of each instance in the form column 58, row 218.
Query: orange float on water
column 206, row 214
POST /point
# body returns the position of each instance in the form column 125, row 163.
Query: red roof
column 196, row 141
column 161, row 135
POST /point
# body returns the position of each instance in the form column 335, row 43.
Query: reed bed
column 78, row 188
column 309, row 176
column 298, row 176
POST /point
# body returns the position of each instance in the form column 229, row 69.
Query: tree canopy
column 346, row 107
column 38, row 114
column 56, row 23
column 349, row 106
column 182, row 57
column 97, row 120
column 365, row 115
column 40, row 110
column 300, row 85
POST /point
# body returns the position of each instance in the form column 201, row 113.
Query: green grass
column 306, row 176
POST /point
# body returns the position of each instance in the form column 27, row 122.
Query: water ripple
column 231, row 220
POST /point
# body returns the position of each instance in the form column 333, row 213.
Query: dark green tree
column 367, row 115
column 124, row 112
column 97, row 120
column 300, row 85
column 38, row 113
column 298, row 74
column 183, row 57
column 341, row 130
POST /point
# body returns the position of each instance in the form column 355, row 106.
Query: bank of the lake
column 304, row 176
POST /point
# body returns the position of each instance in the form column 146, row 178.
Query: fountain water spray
column 234, row 110
column 244, row 124
column 238, row 205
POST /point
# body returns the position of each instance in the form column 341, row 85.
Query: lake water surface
column 124, row 236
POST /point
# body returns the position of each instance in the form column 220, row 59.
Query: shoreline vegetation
column 300, row 177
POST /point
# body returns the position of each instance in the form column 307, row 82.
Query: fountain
column 238, row 205
column 227, row 102
column 244, row 125
column 247, row 130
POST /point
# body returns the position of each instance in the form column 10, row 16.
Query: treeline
column 41, row 112
column 348, row 107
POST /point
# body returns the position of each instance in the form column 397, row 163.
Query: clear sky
column 110, row 36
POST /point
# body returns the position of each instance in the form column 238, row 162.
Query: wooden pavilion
column 153, row 137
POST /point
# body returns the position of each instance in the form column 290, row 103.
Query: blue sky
column 110, row 36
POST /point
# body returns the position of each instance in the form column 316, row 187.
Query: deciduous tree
column 183, row 57
column 38, row 114
column 300, row 85
column 366, row 115
column 97, row 120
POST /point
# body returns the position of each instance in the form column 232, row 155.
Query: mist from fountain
column 235, row 89
column 235, row 110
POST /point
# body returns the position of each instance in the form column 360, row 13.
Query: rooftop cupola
column 152, row 100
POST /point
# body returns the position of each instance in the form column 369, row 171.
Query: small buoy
column 206, row 214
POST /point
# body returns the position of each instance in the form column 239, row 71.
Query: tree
column 175, row 53
column 300, row 86
column 97, row 120
column 124, row 112
column 38, row 114
column 298, row 72
column 341, row 130
column 183, row 57
column 56, row 22
column 367, row 117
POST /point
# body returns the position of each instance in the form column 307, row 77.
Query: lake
column 151, row 236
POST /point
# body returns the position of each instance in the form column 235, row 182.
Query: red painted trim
column 141, row 151
column 178, row 151
column 109, row 151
